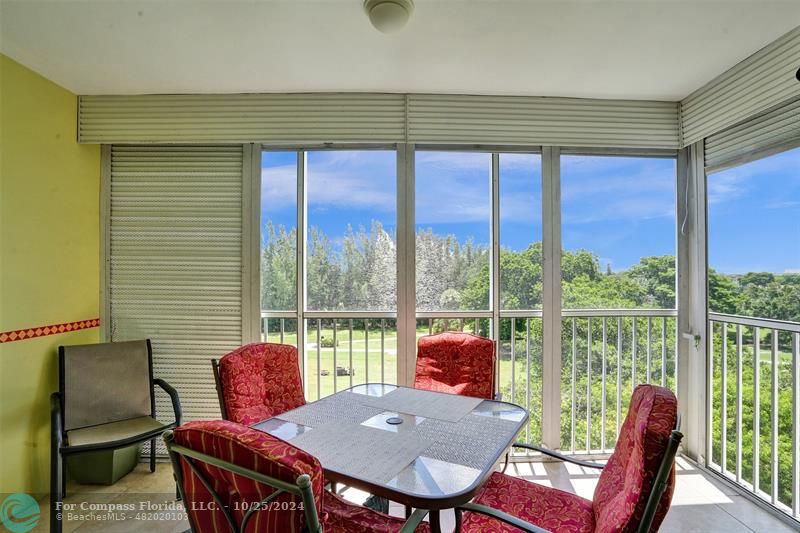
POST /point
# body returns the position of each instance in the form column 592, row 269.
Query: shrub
column 328, row 342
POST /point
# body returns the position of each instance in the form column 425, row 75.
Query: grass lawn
column 367, row 360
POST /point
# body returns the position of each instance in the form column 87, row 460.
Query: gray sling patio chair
column 105, row 402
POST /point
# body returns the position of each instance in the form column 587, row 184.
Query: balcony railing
column 341, row 349
column 754, row 416
column 605, row 354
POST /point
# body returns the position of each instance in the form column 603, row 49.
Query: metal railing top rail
column 568, row 313
column 454, row 314
column 506, row 313
column 767, row 323
column 351, row 314
column 330, row 314
column 521, row 313
column 278, row 314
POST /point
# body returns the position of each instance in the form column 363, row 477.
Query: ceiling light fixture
column 388, row 15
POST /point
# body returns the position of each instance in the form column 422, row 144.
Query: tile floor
column 146, row 502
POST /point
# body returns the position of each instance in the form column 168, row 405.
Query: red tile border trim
column 43, row 331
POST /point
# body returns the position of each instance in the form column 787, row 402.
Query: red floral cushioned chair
column 633, row 493
column 457, row 363
column 236, row 479
column 258, row 381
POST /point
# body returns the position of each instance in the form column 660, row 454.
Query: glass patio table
column 423, row 449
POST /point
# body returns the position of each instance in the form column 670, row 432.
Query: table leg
column 408, row 512
column 436, row 526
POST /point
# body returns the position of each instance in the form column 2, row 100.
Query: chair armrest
column 413, row 521
column 173, row 395
column 503, row 517
column 57, row 481
column 555, row 454
column 56, row 421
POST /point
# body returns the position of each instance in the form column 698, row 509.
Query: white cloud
column 454, row 187
column 597, row 189
column 520, row 161
column 336, row 179
column 586, row 176
column 726, row 186
column 477, row 161
column 736, row 182
column 783, row 204
column 279, row 185
column 350, row 190
column 455, row 161
column 521, row 208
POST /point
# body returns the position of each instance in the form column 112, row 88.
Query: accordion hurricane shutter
column 175, row 262
column 378, row 118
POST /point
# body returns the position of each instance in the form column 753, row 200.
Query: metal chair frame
column 656, row 491
column 301, row 488
column 58, row 467
column 220, row 393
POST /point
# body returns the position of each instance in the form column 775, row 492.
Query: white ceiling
column 642, row 49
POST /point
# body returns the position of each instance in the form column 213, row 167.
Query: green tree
column 610, row 292
column 773, row 300
column 521, row 277
column 324, row 273
column 579, row 263
column 656, row 276
column 723, row 294
column 279, row 267
column 757, row 278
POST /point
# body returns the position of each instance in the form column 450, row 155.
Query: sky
column 754, row 216
column 621, row 208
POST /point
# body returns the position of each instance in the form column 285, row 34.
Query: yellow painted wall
column 49, row 259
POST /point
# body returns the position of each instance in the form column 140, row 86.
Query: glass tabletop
column 432, row 477
column 282, row 429
column 503, row 410
column 397, row 452
column 373, row 389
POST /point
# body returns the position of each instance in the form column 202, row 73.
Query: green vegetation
column 360, row 275
column 757, row 294
column 746, row 430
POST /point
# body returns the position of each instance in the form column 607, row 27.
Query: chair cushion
column 113, row 431
column 341, row 516
column 456, row 363
column 552, row 509
column 253, row 450
column 625, row 483
column 260, row 381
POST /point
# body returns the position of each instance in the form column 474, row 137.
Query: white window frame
column 406, row 314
